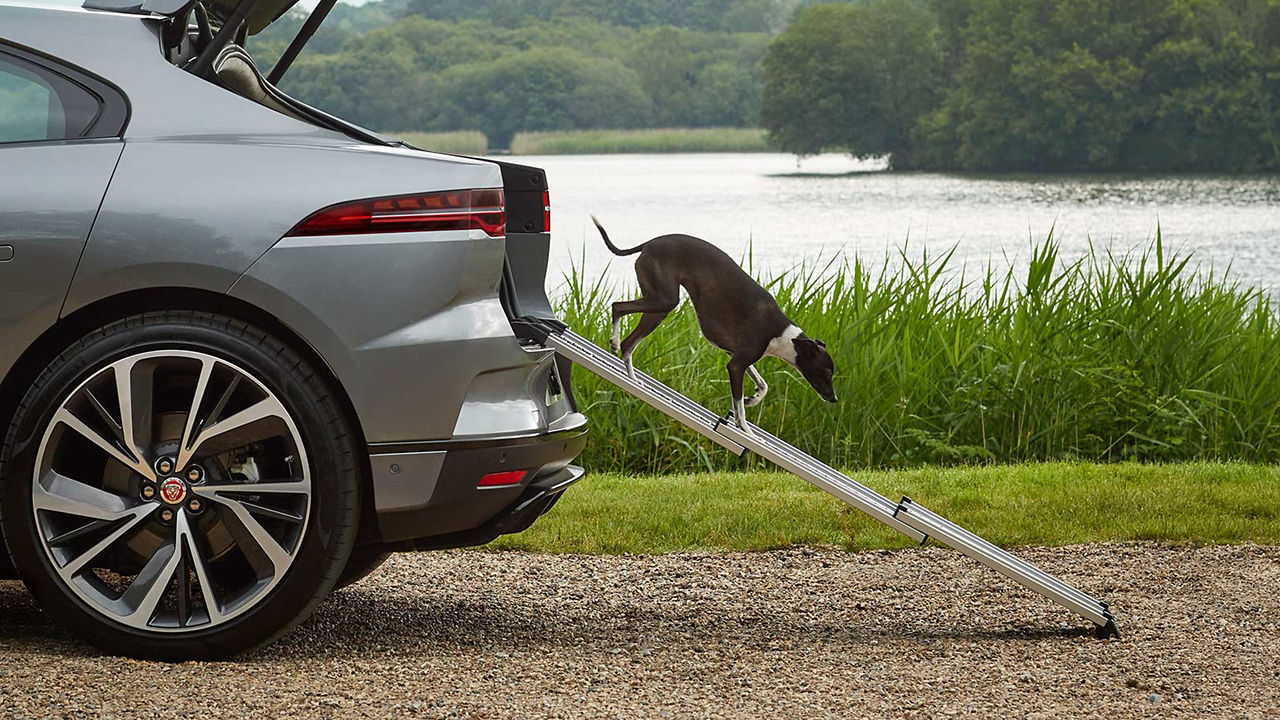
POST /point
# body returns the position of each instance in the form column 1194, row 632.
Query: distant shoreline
column 598, row 142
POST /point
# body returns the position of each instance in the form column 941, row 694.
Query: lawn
column 1035, row 504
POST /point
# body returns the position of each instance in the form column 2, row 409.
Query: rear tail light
column 502, row 479
column 425, row 212
column 546, row 211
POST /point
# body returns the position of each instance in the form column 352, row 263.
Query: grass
column 460, row 142
column 1045, row 504
column 656, row 140
column 1106, row 358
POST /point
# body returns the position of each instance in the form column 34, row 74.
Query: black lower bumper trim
column 536, row 500
column 459, row 505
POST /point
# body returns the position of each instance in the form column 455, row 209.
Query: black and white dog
column 734, row 312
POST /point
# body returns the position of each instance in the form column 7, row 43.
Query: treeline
column 726, row 15
column 1032, row 84
column 507, row 66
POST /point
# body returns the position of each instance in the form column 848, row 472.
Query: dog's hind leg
column 648, row 305
column 762, row 387
column 660, row 295
column 621, row 309
column 648, row 323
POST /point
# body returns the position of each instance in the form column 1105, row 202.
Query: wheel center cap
column 173, row 491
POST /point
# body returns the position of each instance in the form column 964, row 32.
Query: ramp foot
column 1102, row 632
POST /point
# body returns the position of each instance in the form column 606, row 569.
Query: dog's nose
column 832, row 399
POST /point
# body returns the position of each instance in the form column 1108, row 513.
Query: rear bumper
column 428, row 493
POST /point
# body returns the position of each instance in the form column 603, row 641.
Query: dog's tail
column 609, row 243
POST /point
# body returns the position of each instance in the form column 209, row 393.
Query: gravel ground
column 796, row 634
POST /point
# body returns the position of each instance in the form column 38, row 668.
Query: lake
column 791, row 212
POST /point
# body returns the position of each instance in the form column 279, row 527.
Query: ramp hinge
column 902, row 505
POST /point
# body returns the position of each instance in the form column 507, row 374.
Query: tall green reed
column 1109, row 357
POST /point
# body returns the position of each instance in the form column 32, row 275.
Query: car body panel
column 247, row 194
column 49, row 196
column 386, row 308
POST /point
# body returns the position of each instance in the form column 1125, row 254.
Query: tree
column 852, row 77
column 1032, row 84
column 542, row 89
column 1108, row 84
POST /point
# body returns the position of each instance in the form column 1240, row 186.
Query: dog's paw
column 616, row 347
column 753, row 401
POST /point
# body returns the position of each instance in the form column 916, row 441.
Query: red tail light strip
column 425, row 212
column 502, row 479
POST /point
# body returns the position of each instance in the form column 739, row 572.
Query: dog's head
column 814, row 363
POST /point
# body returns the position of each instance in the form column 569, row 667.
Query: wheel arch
column 117, row 307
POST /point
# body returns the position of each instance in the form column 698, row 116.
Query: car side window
column 39, row 105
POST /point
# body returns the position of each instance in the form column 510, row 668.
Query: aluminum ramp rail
column 907, row 517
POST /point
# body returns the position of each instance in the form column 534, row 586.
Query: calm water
column 791, row 213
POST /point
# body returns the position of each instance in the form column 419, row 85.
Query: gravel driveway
column 797, row 634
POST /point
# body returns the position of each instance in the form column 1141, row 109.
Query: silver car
column 247, row 349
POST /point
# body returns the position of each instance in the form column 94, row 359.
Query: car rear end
column 406, row 272
column 507, row 457
column 287, row 346
column 434, row 298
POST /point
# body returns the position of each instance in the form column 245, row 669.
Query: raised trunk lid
column 263, row 14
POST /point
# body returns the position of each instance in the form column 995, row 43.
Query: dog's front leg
column 631, row 367
column 737, row 369
column 762, row 387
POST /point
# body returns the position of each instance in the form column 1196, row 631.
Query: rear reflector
column 546, row 211
column 501, row 479
column 452, row 210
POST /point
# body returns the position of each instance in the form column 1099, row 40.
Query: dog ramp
column 907, row 517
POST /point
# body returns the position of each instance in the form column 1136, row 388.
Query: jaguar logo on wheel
column 173, row 491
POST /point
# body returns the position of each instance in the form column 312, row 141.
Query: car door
column 60, row 138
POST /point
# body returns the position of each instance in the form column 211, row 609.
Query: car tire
column 7, row 570
column 363, row 562
column 251, row 507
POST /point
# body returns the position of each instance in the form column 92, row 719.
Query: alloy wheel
column 171, row 491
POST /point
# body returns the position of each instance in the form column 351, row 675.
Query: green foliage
column 458, row 142
column 657, row 140
column 1052, row 504
column 508, row 66
column 1106, row 358
column 551, row 88
column 728, row 15
column 1037, row 84
column 852, row 77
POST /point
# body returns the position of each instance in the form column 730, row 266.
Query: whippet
column 735, row 313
